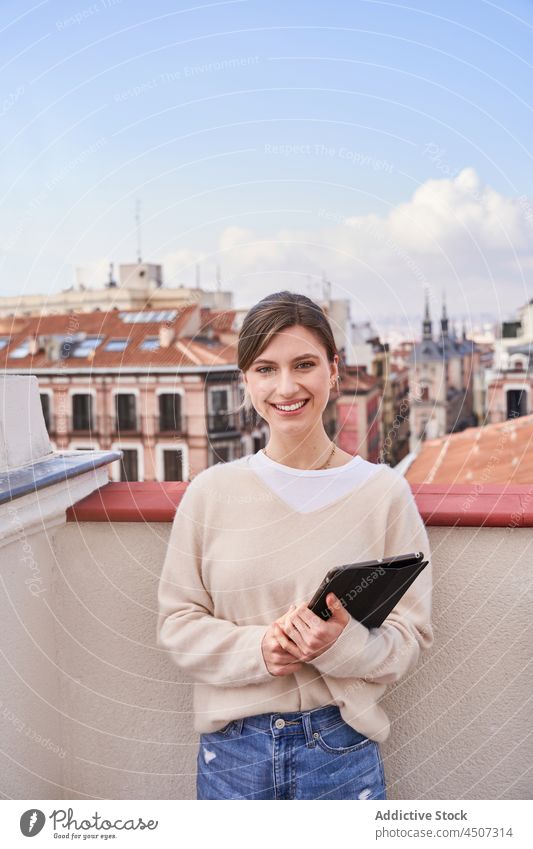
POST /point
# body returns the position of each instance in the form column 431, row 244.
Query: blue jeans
column 312, row 754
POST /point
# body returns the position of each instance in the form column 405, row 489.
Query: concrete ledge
column 461, row 505
column 129, row 502
column 475, row 505
column 56, row 468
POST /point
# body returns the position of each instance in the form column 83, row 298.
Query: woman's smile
column 292, row 409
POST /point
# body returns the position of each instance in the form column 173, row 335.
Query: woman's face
column 292, row 368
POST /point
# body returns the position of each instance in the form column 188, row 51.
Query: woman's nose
column 287, row 384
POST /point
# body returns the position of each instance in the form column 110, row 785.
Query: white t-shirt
column 306, row 490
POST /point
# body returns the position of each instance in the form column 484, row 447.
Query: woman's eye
column 261, row 370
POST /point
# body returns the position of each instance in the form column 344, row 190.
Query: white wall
column 123, row 711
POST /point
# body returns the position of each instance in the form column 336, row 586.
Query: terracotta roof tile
column 495, row 453
column 183, row 351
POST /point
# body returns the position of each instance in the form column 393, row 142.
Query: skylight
column 22, row 350
column 150, row 343
column 85, row 346
column 4, row 340
column 148, row 316
column 116, row 345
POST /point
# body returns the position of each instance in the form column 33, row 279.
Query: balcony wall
column 83, row 667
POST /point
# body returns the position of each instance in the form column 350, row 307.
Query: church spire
column 444, row 319
column 427, row 326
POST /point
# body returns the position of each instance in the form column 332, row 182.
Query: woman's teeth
column 291, row 407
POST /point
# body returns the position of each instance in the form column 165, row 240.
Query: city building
column 508, row 383
column 140, row 286
column 358, row 421
column 441, row 382
column 160, row 385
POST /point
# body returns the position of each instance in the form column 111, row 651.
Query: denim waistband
column 308, row 722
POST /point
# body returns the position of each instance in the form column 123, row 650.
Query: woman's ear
column 335, row 368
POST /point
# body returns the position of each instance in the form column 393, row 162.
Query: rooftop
column 496, row 453
column 119, row 339
column 106, row 714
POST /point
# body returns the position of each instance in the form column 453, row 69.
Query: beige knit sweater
column 238, row 556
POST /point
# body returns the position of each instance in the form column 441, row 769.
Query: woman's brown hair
column 274, row 313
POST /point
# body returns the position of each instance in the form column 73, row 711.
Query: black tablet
column 371, row 589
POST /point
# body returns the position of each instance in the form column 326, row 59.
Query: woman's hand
column 277, row 660
column 304, row 635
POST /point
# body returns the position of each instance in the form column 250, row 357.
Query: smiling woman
column 289, row 360
column 286, row 703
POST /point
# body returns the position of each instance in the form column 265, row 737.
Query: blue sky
column 251, row 131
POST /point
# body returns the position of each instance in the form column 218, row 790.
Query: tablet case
column 371, row 589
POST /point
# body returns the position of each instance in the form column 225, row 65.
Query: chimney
column 33, row 347
column 55, row 347
column 166, row 336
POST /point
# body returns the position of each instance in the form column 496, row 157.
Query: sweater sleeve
column 386, row 653
column 211, row 650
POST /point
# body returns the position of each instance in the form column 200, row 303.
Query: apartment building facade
column 161, row 386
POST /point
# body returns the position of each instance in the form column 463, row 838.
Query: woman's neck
column 307, row 455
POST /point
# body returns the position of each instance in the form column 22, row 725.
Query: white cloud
column 93, row 275
column 179, row 267
column 455, row 234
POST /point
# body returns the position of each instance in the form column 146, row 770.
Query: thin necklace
column 326, row 464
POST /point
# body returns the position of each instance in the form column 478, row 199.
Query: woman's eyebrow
column 300, row 357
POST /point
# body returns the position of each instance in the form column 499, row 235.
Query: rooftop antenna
column 111, row 283
column 138, row 227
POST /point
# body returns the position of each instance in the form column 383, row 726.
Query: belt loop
column 310, row 741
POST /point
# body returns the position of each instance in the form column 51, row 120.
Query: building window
column 125, row 411
column 86, row 346
column 170, row 412
column 218, row 416
column 45, row 405
column 172, row 465
column 22, row 351
column 148, row 316
column 220, row 454
column 82, row 412
column 129, row 465
column 516, row 403
column 425, row 393
column 116, row 345
column 150, row 343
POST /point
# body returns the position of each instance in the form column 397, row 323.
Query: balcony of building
column 224, row 423
column 93, row 709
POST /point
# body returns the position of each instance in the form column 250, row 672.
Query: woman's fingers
column 278, row 643
column 287, row 644
column 300, row 628
column 308, row 617
column 296, row 633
